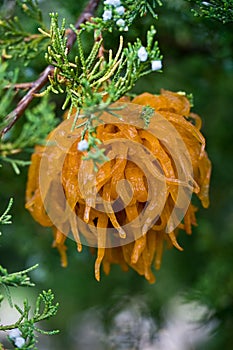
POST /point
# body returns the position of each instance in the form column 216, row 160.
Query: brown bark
column 37, row 85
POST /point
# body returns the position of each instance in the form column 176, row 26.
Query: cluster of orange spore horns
column 146, row 249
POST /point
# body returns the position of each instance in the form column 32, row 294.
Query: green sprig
column 40, row 120
column 133, row 9
column 45, row 307
column 44, row 310
column 7, row 93
column 146, row 114
column 221, row 10
column 15, row 41
column 17, row 278
column 5, row 218
column 93, row 82
column 31, row 8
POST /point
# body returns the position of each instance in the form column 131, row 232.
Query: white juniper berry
column 116, row 3
column 107, row 15
column 120, row 22
column 156, row 65
column 112, row 2
column 108, row 2
column 120, row 10
column 14, row 333
column 83, row 145
column 19, row 342
column 142, row 54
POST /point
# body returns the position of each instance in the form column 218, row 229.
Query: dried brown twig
column 37, row 85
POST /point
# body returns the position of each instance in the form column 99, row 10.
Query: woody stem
column 37, row 85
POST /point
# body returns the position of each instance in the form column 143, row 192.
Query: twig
column 20, row 86
column 36, row 86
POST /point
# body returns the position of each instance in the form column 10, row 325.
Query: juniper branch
column 20, row 86
column 38, row 84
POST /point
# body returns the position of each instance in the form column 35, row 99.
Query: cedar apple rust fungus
column 135, row 202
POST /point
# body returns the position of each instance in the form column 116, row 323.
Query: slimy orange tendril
column 146, row 249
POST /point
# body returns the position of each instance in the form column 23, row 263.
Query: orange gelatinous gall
column 136, row 201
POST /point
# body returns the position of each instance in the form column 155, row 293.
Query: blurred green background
column 197, row 58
